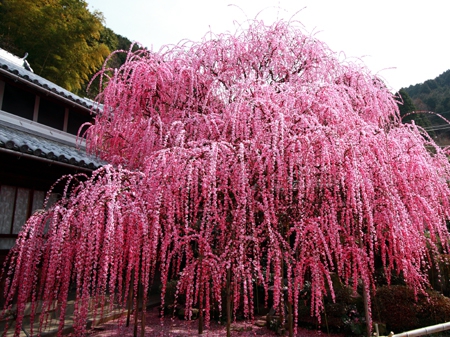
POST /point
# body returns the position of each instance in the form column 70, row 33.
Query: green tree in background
column 62, row 37
column 406, row 106
column 114, row 42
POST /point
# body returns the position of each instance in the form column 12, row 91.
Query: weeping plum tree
column 254, row 158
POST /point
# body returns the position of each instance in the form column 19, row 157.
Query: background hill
column 432, row 95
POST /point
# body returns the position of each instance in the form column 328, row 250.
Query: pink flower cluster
column 259, row 154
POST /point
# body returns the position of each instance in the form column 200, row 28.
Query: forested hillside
column 65, row 42
column 432, row 96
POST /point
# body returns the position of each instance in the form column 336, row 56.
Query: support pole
column 200, row 296
column 367, row 310
column 130, row 299
column 425, row 331
column 290, row 319
column 143, row 310
column 136, row 312
column 229, row 302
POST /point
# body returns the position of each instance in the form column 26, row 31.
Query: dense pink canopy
column 261, row 153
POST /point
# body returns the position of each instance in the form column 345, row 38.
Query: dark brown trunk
column 366, row 310
column 136, row 310
column 130, row 299
column 200, row 297
column 229, row 302
column 290, row 320
column 143, row 311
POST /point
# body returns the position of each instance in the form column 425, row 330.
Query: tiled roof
column 13, row 69
column 44, row 148
column 21, row 62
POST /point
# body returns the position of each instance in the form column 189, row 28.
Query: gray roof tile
column 21, row 141
column 31, row 77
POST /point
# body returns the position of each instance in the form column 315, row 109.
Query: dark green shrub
column 345, row 314
column 169, row 298
column 402, row 311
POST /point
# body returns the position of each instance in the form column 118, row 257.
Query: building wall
column 24, row 178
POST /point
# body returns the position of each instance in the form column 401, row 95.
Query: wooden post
column 366, row 301
column 143, row 310
column 366, row 310
column 228, row 302
column 257, row 297
column 290, row 319
column 200, row 317
column 136, row 312
column 200, row 296
column 326, row 319
column 130, row 299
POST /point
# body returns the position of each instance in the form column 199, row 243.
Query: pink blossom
column 258, row 153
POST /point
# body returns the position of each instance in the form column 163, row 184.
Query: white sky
column 404, row 41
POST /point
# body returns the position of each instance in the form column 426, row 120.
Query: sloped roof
column 13, row 68
column 29, row 144
column 21, row 62
column 27, row 138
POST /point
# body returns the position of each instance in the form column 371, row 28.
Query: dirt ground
column 181, row 328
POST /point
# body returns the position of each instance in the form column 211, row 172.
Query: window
column 51, row 114
column 18, row 102
column 75, row 121
column 17, row 204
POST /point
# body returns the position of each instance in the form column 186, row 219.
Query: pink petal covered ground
column 182, row 328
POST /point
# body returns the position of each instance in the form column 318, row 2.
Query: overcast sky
column 403, row 41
